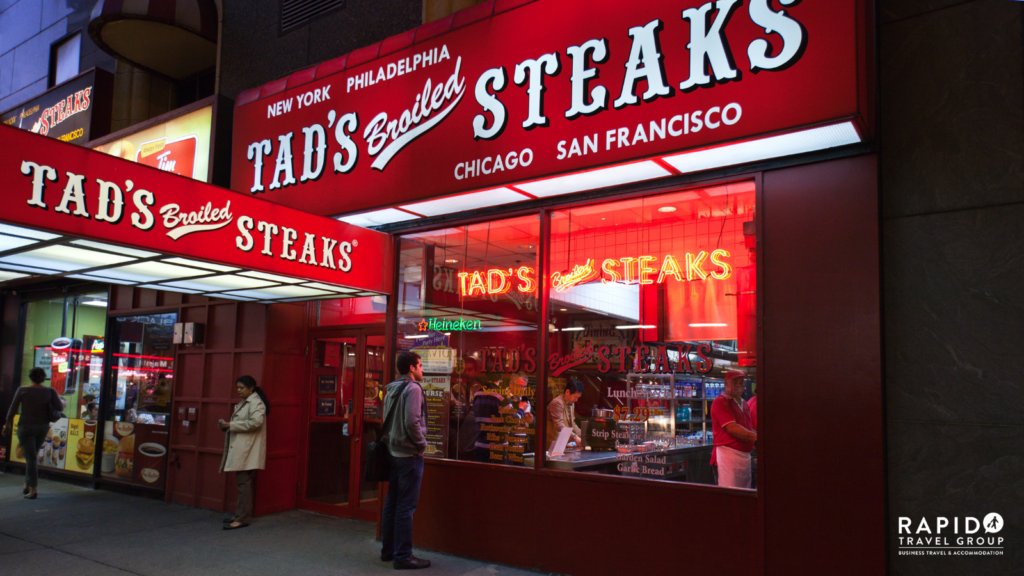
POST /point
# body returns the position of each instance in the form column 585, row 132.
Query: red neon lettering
column 693, row 269
column 504, row 285
column 476, row 283
column 607, row 266
column 643, row 270
column 525, row 275
column 579, row 275
column 670, row 266
column 716, row 260
column 625, row 264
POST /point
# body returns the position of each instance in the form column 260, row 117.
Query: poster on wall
column 65, row 447
column 372, row 399
column 326, row 407
column 436, row 360
column 327, row 384
column 180, row 146
column 437, row 393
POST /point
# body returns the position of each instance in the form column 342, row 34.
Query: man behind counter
column 561, row 413
column 734, row 435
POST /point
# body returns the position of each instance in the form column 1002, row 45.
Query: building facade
column 884, row 268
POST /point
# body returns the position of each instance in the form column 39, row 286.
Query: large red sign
column 550, row 87
column 71, row 190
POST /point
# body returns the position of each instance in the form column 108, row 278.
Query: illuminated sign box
column 76, row 111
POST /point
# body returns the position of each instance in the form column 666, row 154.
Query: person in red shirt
column 734, row 435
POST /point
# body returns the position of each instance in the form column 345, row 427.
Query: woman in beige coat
column 245, row 446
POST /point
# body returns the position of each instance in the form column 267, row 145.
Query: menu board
column 436, row 393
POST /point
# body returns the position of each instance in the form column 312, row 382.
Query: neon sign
column 497, row 281
column 579, row 275
column 439, row 325
column 627, row 270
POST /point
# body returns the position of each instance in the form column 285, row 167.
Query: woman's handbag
column 377, row 467
column 55, row 414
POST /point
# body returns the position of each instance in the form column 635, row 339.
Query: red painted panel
column 275, row 486
column 284, row 377
column 399, row 155
column 210, row 483
column 579, row 524
column 219, row 379
column 249, row 363
column 820, row 407
column 210, row 435
column 251, row 325
column 181, row 478
column 220, row 329
column 189, row 376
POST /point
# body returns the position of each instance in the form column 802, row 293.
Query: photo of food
column 86, row 453
column 125, row 457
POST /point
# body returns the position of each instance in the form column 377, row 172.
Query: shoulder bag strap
column 387, row 418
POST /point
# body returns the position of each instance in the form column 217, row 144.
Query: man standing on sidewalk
column 406, row 441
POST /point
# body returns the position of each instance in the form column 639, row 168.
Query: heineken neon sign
column 440, row 325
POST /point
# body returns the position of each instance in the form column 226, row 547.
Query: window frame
column 55, row 46
column 544, row 208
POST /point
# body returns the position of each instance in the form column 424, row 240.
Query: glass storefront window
column 135, row 434
column 65, row 337
column 652, row 303
column 467, row 304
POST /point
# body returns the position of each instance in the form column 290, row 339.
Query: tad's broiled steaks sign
column 552, row 86
column 71, row 190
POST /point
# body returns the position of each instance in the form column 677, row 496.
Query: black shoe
column 411, row 563
column 386, row 557
column 229, row 520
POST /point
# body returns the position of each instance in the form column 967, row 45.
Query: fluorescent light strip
column 601, row 178
column 168, row 288
column 29, row 269
column 115, row 249
column 66, row 258
column 6, row 275
column 635, row 327
column 377, row 218
column 271, row 277
column 102, row 303
column 708, row 325
column 152, row 272
column 27, row 232
column 417, row 336
column 766, row 148
column 472, row 201
column 13, row 242
column 219, row 283
column 330, row 287
column 101, row 279
column 574, row 329
column 198, row 264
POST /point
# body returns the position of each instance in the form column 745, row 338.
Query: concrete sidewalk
column 73, row 531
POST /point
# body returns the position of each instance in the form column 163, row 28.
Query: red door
column 346, row 369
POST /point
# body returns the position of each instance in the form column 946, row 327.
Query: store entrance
column 343, row 415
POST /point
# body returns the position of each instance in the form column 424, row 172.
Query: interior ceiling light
column 563, row 309
column 635, row 327
column 452, row 261
column 151, row 272
column 378, row 218
column 526, row 247
column 29, row 269
column 271, row 277
column 198, row 264
column 601, row 178
column 92, row 278
column 463, row 202
column 65, row 258
column 708, row 325
column 277, row 292
column 7, row 275
column 417, row 336
column 115, row 249
column 218, row 283
column 13, row 242
column 574, row 329
column 666, row 209
column 320, row 286
column 169, row 288
column 765, row 148
column 102, row 303
column 27, row 232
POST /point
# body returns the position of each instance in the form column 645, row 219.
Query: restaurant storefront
column 629, row 199
column 635, row 199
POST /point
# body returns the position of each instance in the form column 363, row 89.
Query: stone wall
column 952, row 184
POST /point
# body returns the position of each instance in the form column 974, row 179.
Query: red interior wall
column 820, row 407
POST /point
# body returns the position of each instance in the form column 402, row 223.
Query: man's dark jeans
column 403, row 495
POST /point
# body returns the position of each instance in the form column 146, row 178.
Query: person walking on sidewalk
column 406, row 442
column 245, row 446
column 38, row 404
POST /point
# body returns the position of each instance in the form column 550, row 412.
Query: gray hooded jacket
column 407, row 435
